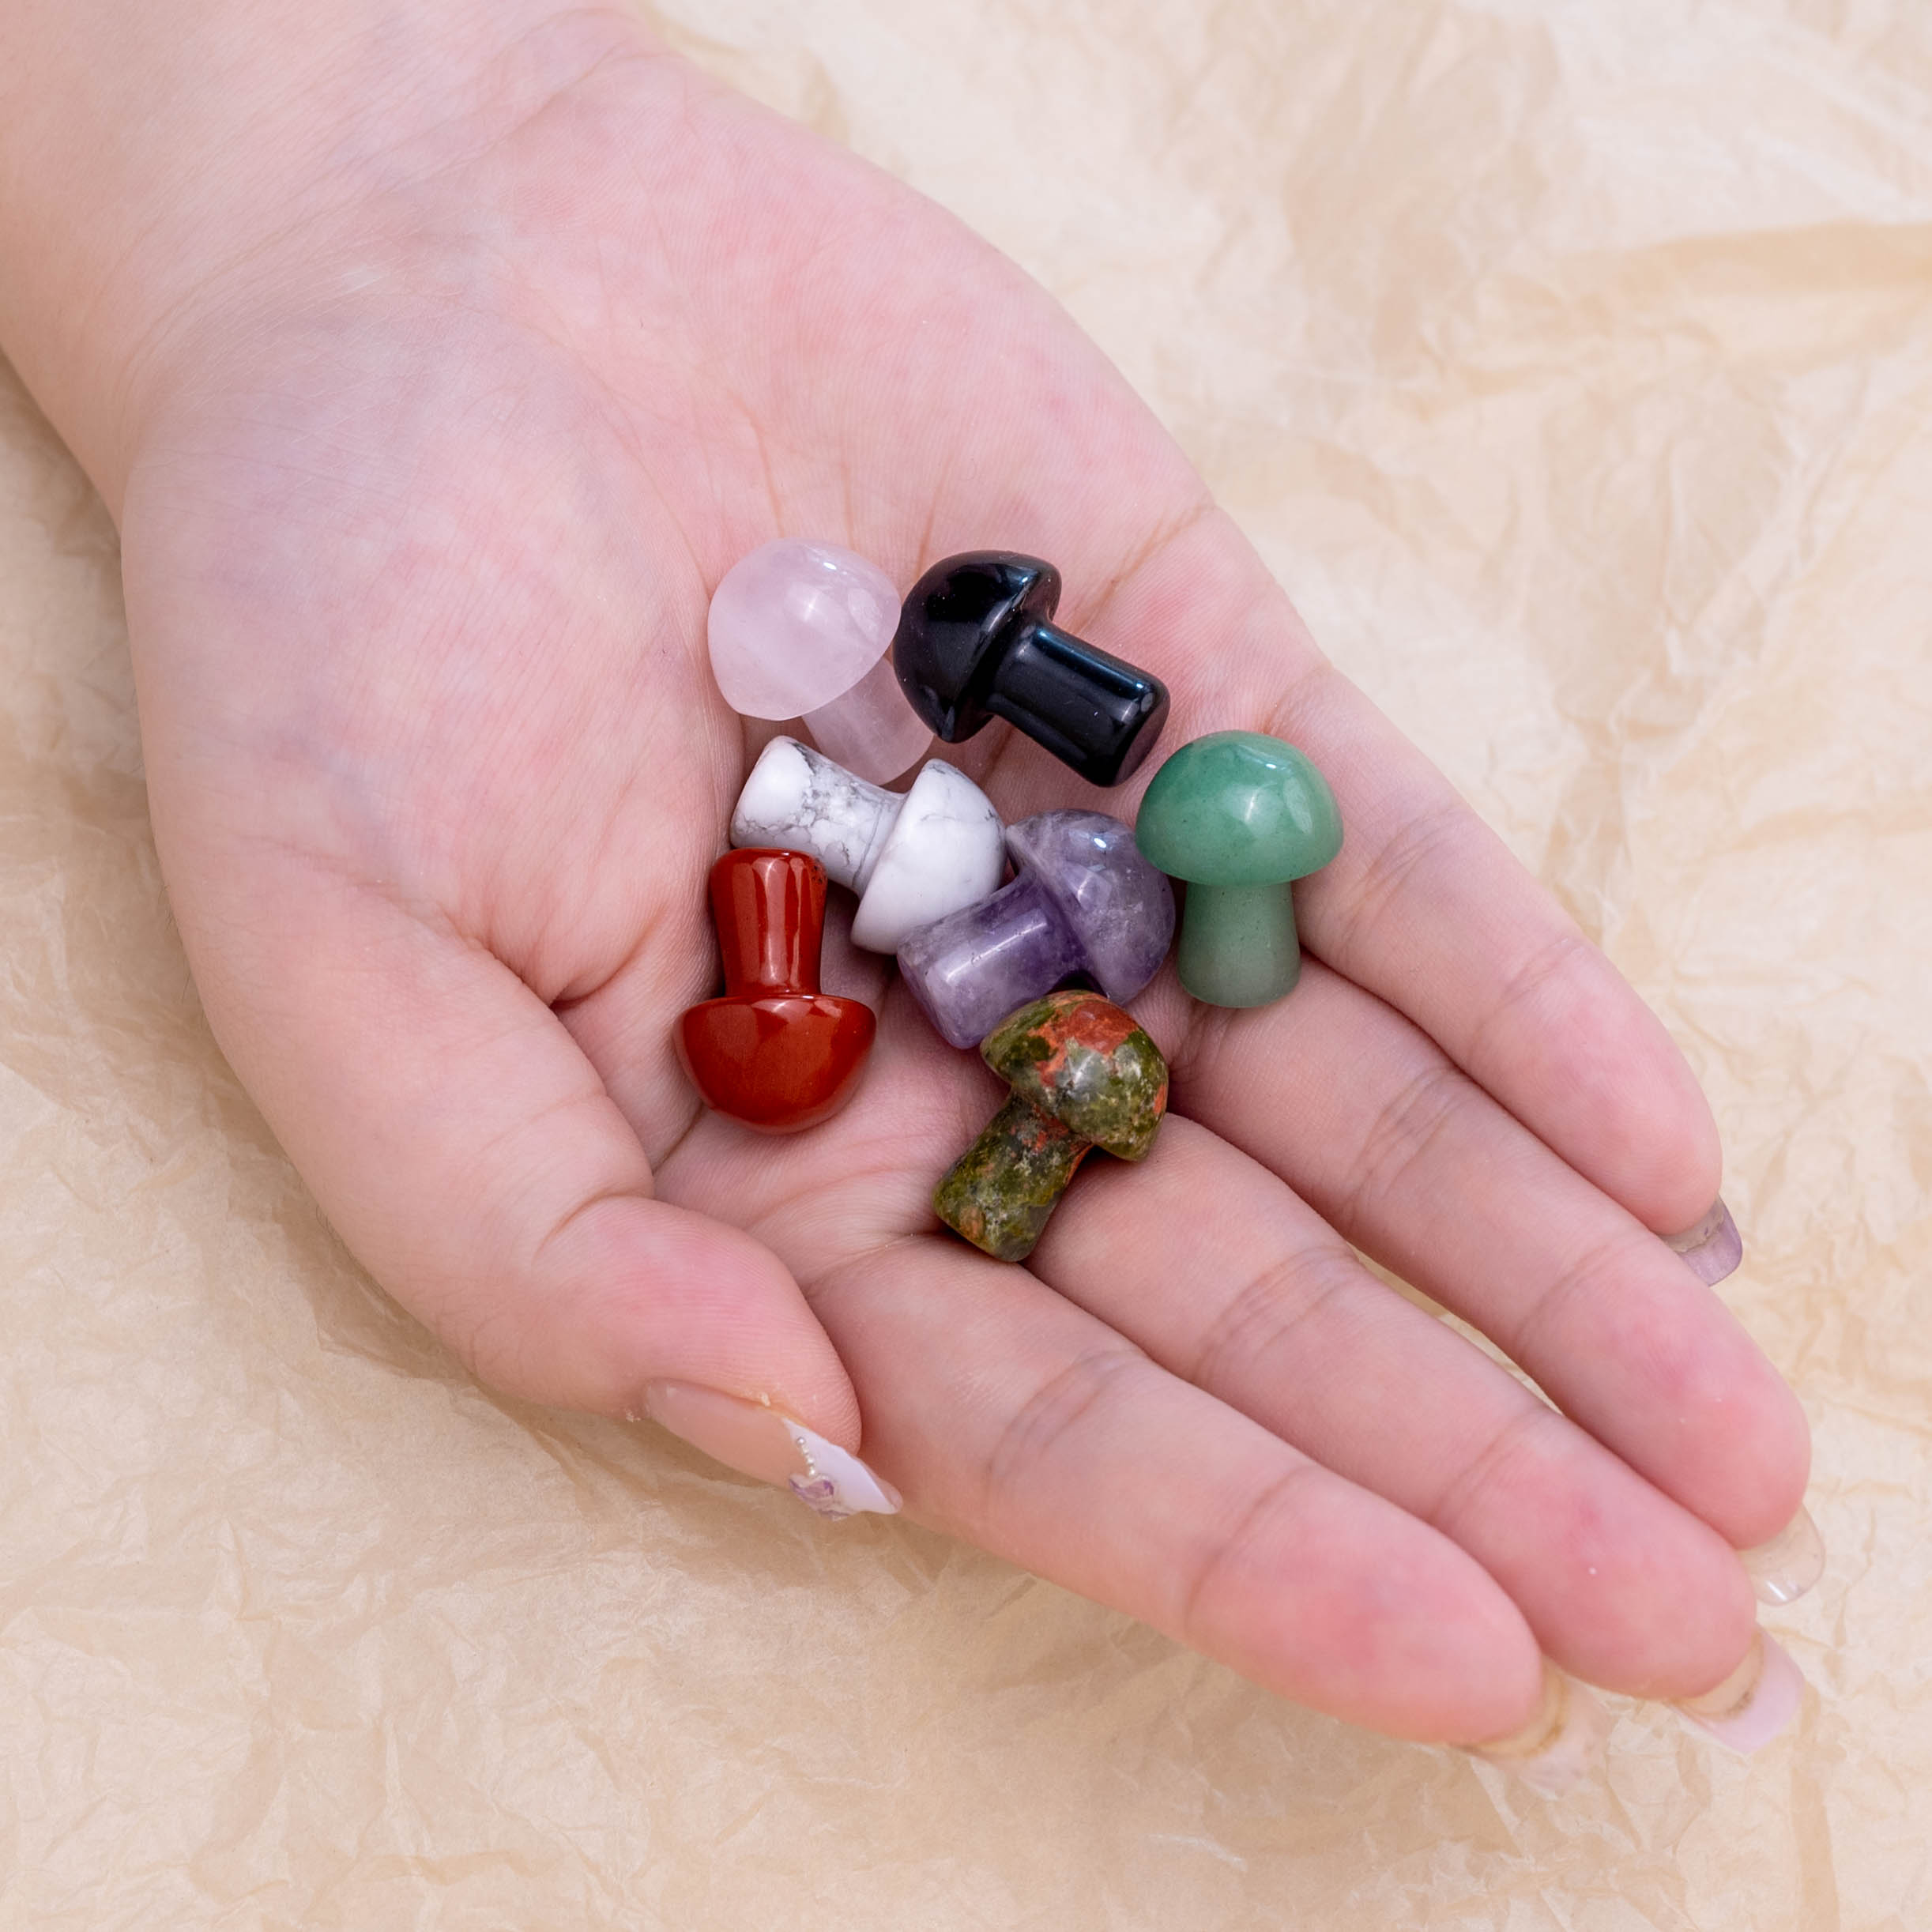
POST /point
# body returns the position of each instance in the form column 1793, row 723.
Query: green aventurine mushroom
column 1237, row 815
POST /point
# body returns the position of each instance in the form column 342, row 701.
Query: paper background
column 1572, row 364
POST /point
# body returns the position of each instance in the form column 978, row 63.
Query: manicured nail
column 758, row 1441
column 1713, row 1248
column 1782, row 1570
column 1755, row 1702
column 1559, row 1743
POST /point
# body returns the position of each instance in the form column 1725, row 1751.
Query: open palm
column 418, row 556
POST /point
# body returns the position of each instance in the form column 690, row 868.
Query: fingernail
column 1782, row 1570
column 1755, row 1702
column 1559, row 1743
column 758, row 1441
column 1713, row 1248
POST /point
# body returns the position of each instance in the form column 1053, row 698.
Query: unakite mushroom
column 1238, row 816
column 1083, row 1075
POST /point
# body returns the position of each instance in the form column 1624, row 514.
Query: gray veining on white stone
column 913, row 858
column 947, row 850
column 797, row 798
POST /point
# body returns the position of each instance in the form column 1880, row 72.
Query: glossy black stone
column 976, row 641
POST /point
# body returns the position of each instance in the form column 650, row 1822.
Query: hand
column 423, row 490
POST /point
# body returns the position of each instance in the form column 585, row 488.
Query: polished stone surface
column 975, row 642
column 870, row 728
column 1085, row 902
column 913, row 856
column 773, row 1053
column 798, row 799
column 1239, row 945
column 946, row 851
column 1083, row 1074
column 801, row 630
column 1238, row 815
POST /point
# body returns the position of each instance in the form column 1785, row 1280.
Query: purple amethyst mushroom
column 1085, row 902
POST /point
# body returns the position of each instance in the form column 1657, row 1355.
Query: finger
column 469, row 1155
column 1019, row 1422
column 1014, row 1419
column 1424, row 905
column 1365, row 1117
column 1262, row 1305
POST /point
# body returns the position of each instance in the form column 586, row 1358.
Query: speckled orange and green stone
column 1084, row 1075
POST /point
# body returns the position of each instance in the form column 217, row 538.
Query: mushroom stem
column 1238, row 946
column 1089, row 709
column 1001, row 1192
column 869, row 729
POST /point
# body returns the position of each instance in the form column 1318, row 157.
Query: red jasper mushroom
column 774, row 1053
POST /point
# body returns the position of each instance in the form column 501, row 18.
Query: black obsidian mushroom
column 976, row 641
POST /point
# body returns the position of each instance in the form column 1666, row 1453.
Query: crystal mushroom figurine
column 976, row 641
column 1085, row 902
column 1238, row 816
column 803, row 630
column 913, row 856
column 1082, row 1075
column 774, row 1053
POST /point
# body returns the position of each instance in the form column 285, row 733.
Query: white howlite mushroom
column 803, row 630
column 912, row 858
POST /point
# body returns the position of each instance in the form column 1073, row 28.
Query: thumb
column 468, row 1152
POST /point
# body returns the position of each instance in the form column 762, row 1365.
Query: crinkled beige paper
column 1571, row 363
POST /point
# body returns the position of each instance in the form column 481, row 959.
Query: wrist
column 160, row 177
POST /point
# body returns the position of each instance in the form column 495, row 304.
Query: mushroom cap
column 946, row 849
column 1120, row 908
column 794, row 624
column 1236, row 808
column 949, row 640
column 1079, row 1058
column 776, row 1063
